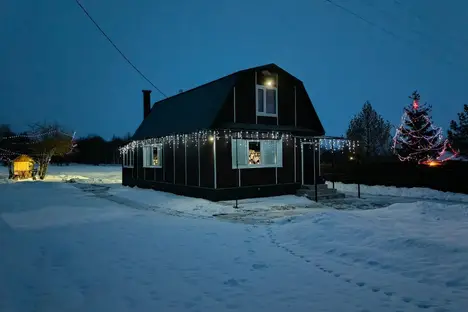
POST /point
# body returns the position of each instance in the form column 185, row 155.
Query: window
column 257, row 153
column 128, row 159
column 152, row 156
column 267, row 101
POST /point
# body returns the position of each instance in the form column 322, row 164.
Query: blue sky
column 56, row 66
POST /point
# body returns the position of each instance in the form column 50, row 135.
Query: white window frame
column 152, row 147
column 279, row 154
column 128, row 159
column 264, row 89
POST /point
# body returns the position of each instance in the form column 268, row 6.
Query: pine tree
column 371, row 130
column 417, row 139
column 458, row 133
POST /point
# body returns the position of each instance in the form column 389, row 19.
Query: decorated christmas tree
column 417, row 139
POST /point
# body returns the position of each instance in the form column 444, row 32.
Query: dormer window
column 267, row 96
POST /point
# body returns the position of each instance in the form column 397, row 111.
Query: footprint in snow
column 259, row 266
column 231, row 282
column 372, row 263
column 424, row 305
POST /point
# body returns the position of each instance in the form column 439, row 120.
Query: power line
column 363, row 19
column 118, row 50
column 383, row 29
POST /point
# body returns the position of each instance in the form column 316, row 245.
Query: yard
column 80, row 241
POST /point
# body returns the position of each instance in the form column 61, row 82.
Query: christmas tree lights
column 417, row 139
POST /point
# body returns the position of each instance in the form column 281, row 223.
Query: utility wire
column 383, row 29
column 118, row 50
column 363, row 19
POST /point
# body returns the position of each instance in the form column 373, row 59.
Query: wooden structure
column 23, row 167
column 249, row 134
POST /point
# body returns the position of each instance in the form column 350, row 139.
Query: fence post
column 358, row 161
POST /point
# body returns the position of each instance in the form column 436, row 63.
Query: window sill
column 152, row 167
column 266, row 114
column 257, row 166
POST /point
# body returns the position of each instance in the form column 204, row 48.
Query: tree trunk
column 44, row 164
column 11, row 172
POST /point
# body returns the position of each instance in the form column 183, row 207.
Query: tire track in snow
column 101, row 191
column 387, row 293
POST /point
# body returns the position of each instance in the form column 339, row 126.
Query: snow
column 95, row 245
column 111, row 174
column 414, row 192
column 181, row 204
column 414, row 251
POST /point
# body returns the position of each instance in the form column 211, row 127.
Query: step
column 319, row 192
column 324, row 196
column 312, row 187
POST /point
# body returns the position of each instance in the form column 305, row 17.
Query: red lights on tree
column 417, row 139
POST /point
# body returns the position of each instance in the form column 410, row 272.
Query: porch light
column 211, row 138
column 269, row 83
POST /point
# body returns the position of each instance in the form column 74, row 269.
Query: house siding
column 227, row 177
column 192, row 163
column 295, row 108
column 254, row 182
column 179, row 161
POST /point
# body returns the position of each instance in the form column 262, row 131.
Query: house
column 249, row 134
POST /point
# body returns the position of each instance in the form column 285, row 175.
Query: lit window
column 267, row 101
column 152, row 156
column 128, row 157
column 254, row 153
column 257, row 153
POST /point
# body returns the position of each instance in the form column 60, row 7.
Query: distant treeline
column 94, row 150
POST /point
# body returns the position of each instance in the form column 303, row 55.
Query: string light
column 207, row 136
column 33, row 138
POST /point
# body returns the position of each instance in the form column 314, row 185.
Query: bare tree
column 49, row 141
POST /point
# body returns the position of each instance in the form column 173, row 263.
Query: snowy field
column 79, row 241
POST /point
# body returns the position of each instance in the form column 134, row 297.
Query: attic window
column 266, row 93
column 267, row 101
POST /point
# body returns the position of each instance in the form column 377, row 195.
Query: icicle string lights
column 204, row 137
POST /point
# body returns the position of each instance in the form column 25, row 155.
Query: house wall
column 295, row 108
column 230, row 183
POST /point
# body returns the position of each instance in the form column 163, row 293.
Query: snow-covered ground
column 94, row 245
column 414, row 192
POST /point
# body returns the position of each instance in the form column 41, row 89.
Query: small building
column 23, row 166
column 250, row 134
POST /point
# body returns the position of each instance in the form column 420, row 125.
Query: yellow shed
column 23, row 166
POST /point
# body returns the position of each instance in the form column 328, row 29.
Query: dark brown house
column 249, row 134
